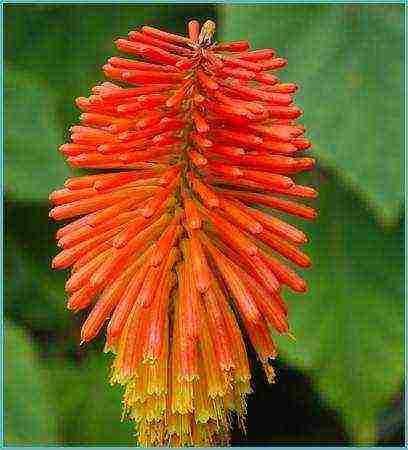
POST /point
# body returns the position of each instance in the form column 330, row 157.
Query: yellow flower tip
column 206, row 34
column 269, row 372
column 291, row 336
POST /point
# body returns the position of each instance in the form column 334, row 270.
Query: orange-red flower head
column 174, row 244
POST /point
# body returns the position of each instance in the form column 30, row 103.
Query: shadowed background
column 341, row 382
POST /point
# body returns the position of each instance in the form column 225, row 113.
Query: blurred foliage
column 349, row 328
column 31, row 107
column 27, row 268
column 29, row 414
column 91, row 410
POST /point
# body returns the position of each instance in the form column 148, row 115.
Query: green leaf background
column 341, row 380
column 30, row 415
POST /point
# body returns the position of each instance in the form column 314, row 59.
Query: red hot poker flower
column 171, row 245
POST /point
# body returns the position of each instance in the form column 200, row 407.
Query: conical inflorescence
column 174, row 244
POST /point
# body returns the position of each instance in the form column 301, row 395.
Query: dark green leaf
column 34, row 294
column 348, row 60
column 32, row 134
column 90, row 411
column 30, row 417
column 350, row 326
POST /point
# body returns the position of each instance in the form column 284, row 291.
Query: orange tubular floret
column 120, row 256
column 155, row 202
column 271, row 309
column 236, row 340
column 239, row 216
column 81, row 298
column 206, row 194
column 193, row 217
column 277, row 203
column 154, row 275
column 197, row 158
column 152, row 53
column 133, row 227
column 286, row 249
column 245, row 64
column 232, row 234
column 142, row 37
column 186, row 355
column 110, row 212
column 277, row 226
column 229, row 273
column 221, row 340
column 67, row 257
column 156, row 333
column 131, row 64
column 285, row 274
column 91, row 254
column 206, row 82
column 121, row 179
column 166, row 241
column 192, row 317
column 199, row 122
column 82, row 276
column 173, row 245
column 238, row 46
column 168, row 37
column 193, row 30
column 105, row 306
column 199, row 263
column 258, row 268
column 125, row 305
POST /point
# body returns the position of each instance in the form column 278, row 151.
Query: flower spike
column 174, row 244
